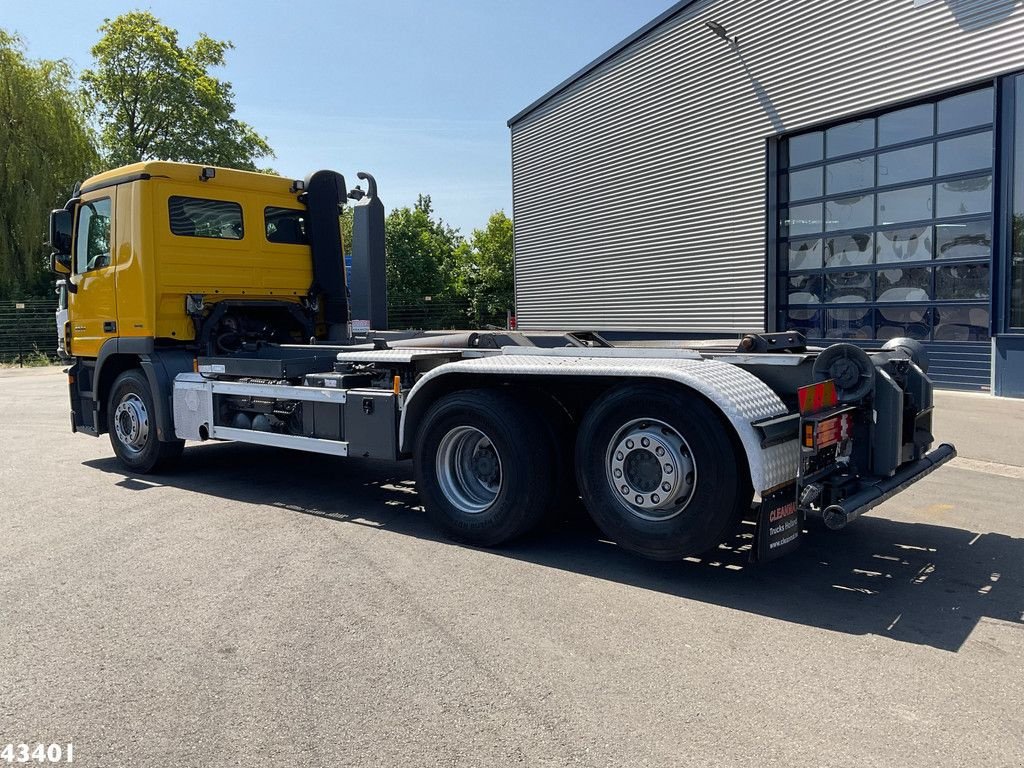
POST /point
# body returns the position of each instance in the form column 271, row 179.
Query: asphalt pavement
column 260, row 607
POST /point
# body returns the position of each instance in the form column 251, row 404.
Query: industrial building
column 854, row 171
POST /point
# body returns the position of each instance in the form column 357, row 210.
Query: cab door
column 92, row 309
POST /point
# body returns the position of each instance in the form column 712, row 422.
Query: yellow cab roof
column 189, row 172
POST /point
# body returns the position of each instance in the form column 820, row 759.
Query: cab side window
column 196, row 217
column 92, row 251
column 285, row 225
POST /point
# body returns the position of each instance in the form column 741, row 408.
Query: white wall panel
column 639, row 189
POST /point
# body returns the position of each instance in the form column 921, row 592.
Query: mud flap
column 779, row 527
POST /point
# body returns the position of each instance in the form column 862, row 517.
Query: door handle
column 109, row 326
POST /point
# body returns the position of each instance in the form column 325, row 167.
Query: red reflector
column 817, row 397
column 827, row 432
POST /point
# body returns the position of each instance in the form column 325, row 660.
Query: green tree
column 421, row 264
column 155, row 99
column 45, row 147
column 485, row 270
column 347, row 218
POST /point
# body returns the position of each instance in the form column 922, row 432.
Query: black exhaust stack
column 369, row 278
column 324, row 196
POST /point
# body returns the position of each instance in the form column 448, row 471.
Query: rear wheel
column 132, row 426
column 658, row 471
column 484, row 467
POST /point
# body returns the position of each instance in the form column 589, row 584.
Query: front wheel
column 484, row 467
column 132, row 427
column 658, row 471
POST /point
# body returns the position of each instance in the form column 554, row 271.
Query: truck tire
column 484, row 467
column 132, row 428
column 658, row 471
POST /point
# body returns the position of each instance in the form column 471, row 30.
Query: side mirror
column 61, row 226
column 60, row 264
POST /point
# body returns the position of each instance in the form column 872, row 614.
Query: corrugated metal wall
column 639, row 191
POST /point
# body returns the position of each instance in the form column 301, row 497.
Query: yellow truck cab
column 168, row 260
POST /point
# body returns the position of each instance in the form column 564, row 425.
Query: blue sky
column 416, row 93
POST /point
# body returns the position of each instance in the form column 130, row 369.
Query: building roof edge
column 615, row 49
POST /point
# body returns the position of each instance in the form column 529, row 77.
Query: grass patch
column 33, row 359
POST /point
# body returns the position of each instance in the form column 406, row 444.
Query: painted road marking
column 988, row 467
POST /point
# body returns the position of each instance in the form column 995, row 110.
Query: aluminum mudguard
column 740, row 396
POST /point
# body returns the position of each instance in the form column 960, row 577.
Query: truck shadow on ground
column 911, row 582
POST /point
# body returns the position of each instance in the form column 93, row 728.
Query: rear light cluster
column 821, row 434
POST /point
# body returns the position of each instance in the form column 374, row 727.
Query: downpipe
column 839, row 515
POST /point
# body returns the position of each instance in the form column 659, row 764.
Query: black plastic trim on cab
column 123, row 179
column 160, row 367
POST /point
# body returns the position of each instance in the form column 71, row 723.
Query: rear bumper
column 838, row 515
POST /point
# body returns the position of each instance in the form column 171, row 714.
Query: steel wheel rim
column 131, row 423
column 650, row 468
column 469, row 469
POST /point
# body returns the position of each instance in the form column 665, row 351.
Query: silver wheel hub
column 131, row 423
column 650, row 467
column 468, row 469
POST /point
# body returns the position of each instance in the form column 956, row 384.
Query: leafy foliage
column 438, row 279
column 420, row 254
column 485, row 270
column 155, row 99
column 150, row 97
column 45, row 148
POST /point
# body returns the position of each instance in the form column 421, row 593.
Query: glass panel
column 904, row 284
column 903, row 165
column 805, row 254
column 849, row 212
column 848, row 138
column 848, row 250
column 848, row 175
column 906, row 125
column 850, row 323
column 803, row 289
column 92, row 251
column 804, row 184
column 807, row 321
column 847, row 287
column 965, row 153
column 903, row 244
column 905, row 204
column 965, row 110
column 969, row 240
column 961, row 323
column 962, row 197
column 914, row 322
column 195, row 217
column 962, row 281
column 805, row 149
column 801, row 220
column 1017, row 244
column 286, row 225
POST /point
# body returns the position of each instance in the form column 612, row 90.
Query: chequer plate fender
column 740, row 396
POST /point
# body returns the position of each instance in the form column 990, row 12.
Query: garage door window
column 885, row 224
column 1017, row 228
